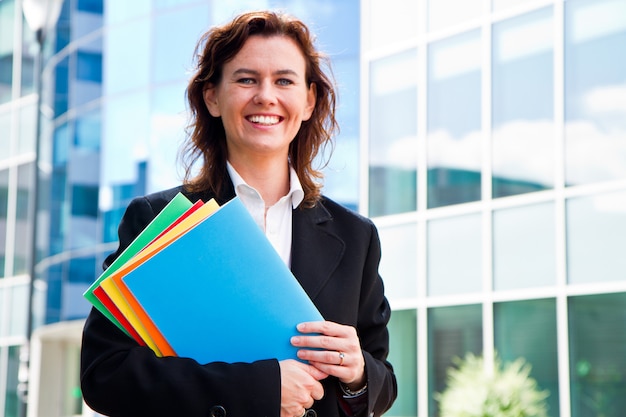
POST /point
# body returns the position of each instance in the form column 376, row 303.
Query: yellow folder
column 124, row 300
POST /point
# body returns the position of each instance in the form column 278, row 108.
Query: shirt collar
column 295, row 194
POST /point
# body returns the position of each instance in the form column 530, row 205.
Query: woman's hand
column 299, row 387
column 335, row 350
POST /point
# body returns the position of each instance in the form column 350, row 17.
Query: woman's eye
column 284, row 81
column 246, row 81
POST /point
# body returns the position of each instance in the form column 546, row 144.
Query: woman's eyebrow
column 247, row 71
column 286, row 72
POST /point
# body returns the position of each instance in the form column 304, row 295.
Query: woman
column 261, row 110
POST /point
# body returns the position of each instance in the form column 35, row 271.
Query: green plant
column 507, row 392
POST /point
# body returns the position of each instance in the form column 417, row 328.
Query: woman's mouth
column 264, row 120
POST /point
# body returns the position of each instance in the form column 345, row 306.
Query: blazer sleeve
column 120, row 378
column 374, row 315
column 336, row 254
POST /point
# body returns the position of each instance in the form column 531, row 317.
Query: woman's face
column 262, row 98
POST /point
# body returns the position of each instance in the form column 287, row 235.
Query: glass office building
column 487, row 139
column 494, row 141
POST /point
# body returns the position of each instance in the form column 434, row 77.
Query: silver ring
column 342, row 356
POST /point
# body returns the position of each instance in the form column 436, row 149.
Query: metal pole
column 24, row 369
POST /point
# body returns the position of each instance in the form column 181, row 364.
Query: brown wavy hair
column 206, row 138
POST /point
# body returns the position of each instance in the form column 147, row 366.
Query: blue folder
column 220, row 292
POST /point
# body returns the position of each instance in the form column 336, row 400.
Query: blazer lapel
column 316, row 250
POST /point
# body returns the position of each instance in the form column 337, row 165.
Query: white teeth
column 264, row 120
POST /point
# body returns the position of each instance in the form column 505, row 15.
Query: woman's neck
column 269, row 178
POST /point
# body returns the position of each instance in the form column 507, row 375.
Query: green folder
column 172, row 211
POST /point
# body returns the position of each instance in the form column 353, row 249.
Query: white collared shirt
column 277, row 222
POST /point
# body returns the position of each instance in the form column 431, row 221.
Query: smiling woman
column 261, row 109
column 262, row 100
column 215, row 50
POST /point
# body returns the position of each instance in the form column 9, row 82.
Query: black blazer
column 335, row 256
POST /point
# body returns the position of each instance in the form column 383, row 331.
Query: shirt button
column 217, row 411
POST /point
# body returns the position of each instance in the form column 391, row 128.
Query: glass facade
column 594, row 82
column 496, row 177
column 597, row 351
column 485, row 138
column 522, row 104
column 528, row 329
column 113, row 117
column 393, row 131
column 454, row 116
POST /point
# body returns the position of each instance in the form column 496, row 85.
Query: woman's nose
column 265, row 94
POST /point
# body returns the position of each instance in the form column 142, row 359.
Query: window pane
column 455, row 255
column 29, row 52
column 4, row 318
column 596, row 237
column 4, row 202
column 388, row 26
column 27, row 128
column 126, row 57
column 18, row 295
column 127, row 140
column 444, row 13
column 86, row 86
column 527, row 329
column 91, row 6
column 73, row 400
column 398, row 265
column 393, row 135
column 403, row 355
column 39, row 304
column 23, row 227
column 172, row 50
column 55, row 274
column 85, row 200
column 79, row 275
column 89, row 66
column 116, row 11
column 595, row 87
column 597, row 352
column 454, row 120
column 12, row 401
column 164, row 4
column 82, row 232
column 452, row 332
column 497, row 5
column 7, row 23
column 84, row 21
column 5, row 138
column 83, row 176
column 167, row 121
column 87, row 134
column 61, row 86
column 341, row 175
column 524, row 247
column 522, row 104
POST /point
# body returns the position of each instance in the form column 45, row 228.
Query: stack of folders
column 202, row 281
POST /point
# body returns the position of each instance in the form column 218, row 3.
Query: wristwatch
column 348, row 393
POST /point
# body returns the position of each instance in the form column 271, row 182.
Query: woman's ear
column 210, row 100
column 311, row 99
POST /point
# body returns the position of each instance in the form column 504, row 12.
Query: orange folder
column 113, row 309
column 114, row 287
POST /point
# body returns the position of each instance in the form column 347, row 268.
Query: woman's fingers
column 332, row 348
